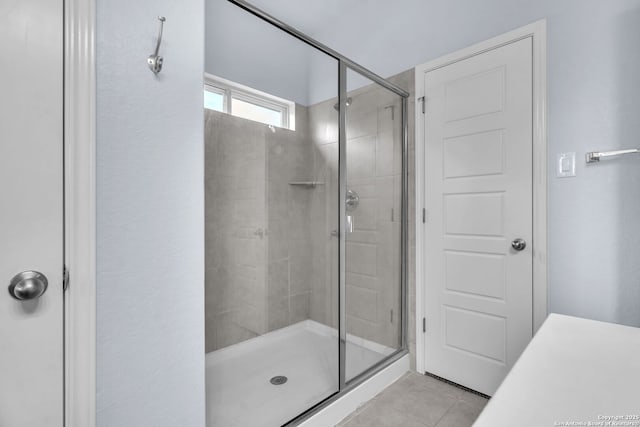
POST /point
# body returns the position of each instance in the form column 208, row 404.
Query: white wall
column 594, row 104
column 150, row 250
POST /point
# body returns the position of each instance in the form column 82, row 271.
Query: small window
column 253, row 111
column 214, row 99
column 242, row 101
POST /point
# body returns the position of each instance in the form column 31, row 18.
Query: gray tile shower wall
column 289, row 162
column 323, row 129
column 258, row 259
column 235, row 251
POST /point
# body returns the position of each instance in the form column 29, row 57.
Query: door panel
column 478, row 172
column 31, row 340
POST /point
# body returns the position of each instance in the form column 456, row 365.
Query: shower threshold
column 239, row 388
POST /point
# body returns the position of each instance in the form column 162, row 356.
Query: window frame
column 231, row 90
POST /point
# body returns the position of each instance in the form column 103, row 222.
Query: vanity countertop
column 575, row 372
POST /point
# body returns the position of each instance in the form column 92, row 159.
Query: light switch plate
column 566, row 165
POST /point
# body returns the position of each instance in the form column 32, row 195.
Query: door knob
column 28, row 285
column 518, row 244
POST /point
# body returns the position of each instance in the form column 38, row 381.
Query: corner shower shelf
column 307, row 184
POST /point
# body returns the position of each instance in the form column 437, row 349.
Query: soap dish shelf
column 306, row 184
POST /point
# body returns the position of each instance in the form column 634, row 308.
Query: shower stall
column 306, row 221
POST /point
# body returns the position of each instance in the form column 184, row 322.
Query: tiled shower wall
column 289, row 163
column 258, row 259
column 323, row 129
column 235, row 270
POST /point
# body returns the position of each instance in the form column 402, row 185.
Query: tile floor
column 418, row 401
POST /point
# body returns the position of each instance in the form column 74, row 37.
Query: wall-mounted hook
column 155, row 60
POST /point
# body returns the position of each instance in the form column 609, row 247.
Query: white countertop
column 573, row 372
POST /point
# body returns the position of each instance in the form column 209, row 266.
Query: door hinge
column 424, row 324
column 65, row 278
column 424, row 215
column 422, row 101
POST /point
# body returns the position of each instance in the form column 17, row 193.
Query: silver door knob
column 518, row 244
column 28, row 285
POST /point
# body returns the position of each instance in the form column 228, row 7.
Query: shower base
column 239, row 390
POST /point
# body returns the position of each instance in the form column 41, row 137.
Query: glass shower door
column 373, row 235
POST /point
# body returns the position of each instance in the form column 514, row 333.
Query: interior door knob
column 28, row 285
column 518, row 244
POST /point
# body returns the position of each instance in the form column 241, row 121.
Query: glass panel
column 271, row 293
column 258, row 113
column 213, row 101
column 373, row 240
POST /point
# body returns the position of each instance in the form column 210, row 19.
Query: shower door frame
column 345, row 64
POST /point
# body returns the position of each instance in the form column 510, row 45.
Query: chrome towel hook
column 155, row 60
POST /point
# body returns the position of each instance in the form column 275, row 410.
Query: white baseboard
column 341, row 408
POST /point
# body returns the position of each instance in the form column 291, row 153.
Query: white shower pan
column 239, row 391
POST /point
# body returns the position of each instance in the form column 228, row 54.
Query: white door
column 31, row 221
column 478, row 197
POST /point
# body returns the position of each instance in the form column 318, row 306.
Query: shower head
column 337, row 104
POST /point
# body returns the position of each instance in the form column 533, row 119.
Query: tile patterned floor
column 418, row 401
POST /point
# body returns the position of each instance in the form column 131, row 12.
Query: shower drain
column 278, row 380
